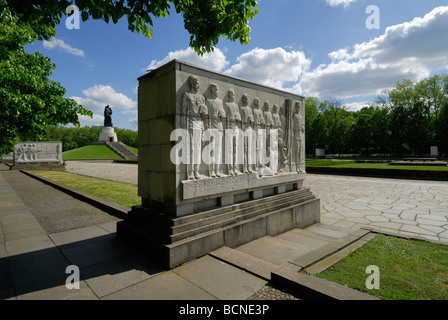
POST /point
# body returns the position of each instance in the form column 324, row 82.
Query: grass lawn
column 92, row 152
column 118, row 192
column 379, row 169
column 409, row 269
column 135, row 150
column 369, row 165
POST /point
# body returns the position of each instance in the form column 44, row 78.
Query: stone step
column 316, row 255
column 122, row 150
column 239, row 206
column 274, row 249
column 244, row 261
column 257, row 208
column 170, row 232
column 313, row 287
column 301, row 247
column 236, row 218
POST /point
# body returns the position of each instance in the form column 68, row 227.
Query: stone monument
column 434, row 151
column 42, row 155
column 218, row 166
column 108, row 133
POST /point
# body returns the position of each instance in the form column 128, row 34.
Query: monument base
column 108, row 135
column 175, row 241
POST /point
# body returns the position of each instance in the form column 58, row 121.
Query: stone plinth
column 221, row 162
column 108, row 135
column 42, row 155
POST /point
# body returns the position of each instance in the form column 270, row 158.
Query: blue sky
column 319, row 48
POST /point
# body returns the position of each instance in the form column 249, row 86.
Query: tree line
column 407, row 120
column 77, row 137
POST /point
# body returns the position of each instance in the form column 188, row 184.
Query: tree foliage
column 77, row 137
column 205, row 20
column 29, row 101
column 407, row 120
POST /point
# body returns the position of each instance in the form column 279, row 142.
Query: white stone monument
column 217, row 165
column 38, row 155
column 434, row 152
column 108, row 133
column 320, row 153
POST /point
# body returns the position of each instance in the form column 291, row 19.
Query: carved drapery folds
column 234, row 135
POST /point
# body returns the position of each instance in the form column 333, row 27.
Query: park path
column 121, row 172
column 416, row 208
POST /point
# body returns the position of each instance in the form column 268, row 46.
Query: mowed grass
column 118, row 192
column 409, row 269
column 367, row 165
column 93, row 152
column 135, row 150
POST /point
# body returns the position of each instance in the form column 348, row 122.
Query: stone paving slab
column 272, row 251
column 165, row 286
column 406, row 207
column 244, row 261
column 220, row 279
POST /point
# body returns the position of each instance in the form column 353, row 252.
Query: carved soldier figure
column 108, row 116
column 247, row 121
column 216, row 115
column 269, row 124
column 194, row 111
column 233, row 118
column 259, row 123
column 276, row 122
column 268, row 120
column 299, row 133
column 276, row 119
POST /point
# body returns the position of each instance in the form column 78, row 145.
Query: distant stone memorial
column 221, row 163
column 434, row 151
column 320, row 153
column 108, row 133
column 42, row 155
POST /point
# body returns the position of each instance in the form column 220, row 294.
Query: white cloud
column 58, row 43
column 98, row 96
column 356, row 106
column 271, row 67
column 337, row 3
column 215, row 60
column 87, row 121
column 411, row 50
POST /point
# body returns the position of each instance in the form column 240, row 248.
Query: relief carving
column 195, row 112
column 233, row 119
column 299, row 138
column 262, row 139
column 247, row 122
column 216, row 115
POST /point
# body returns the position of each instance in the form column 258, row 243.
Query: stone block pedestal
column 108, row 135
column 221, row 163
column 179, row 240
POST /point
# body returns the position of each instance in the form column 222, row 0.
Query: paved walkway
column 37, row 244
column 36, row 251
column 407, row 207
column 122, row 172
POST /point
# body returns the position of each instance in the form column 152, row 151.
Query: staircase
column 304, row 248
column 292, row 258
column 122, row 150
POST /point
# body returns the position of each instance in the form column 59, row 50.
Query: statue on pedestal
column 108, row 116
